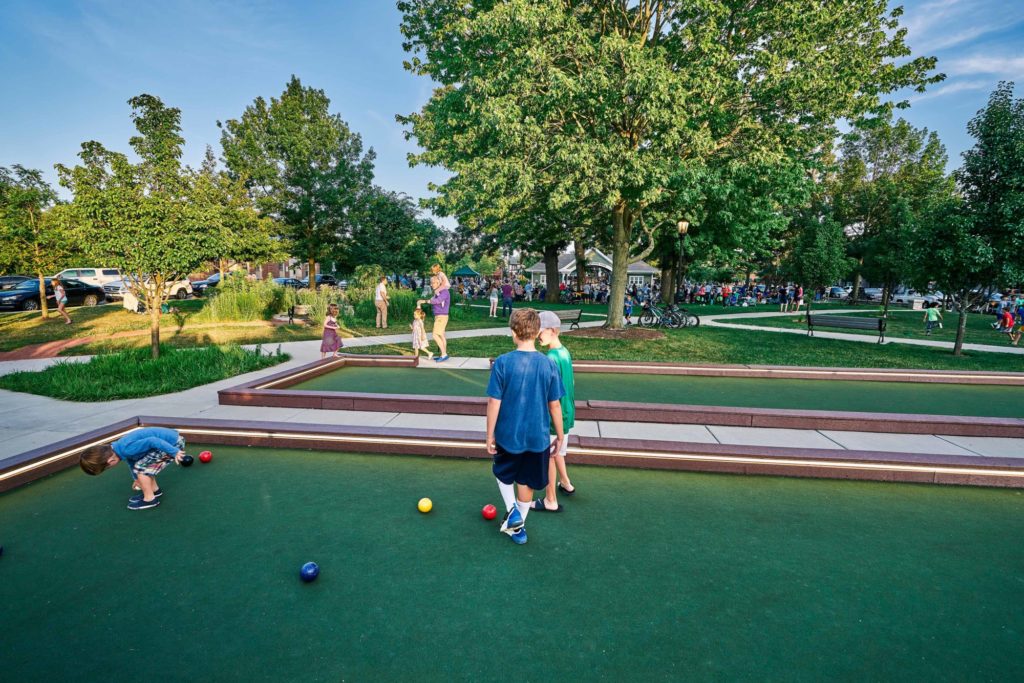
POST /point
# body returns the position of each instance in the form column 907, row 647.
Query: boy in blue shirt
column 524, row 401
column 147, row 451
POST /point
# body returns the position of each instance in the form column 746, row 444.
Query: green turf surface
column 648, row 576
column 805, row 394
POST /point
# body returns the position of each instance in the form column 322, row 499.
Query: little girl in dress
column 419, row 334
column 331, row 340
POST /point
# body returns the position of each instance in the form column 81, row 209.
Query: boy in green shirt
column 932, row 317
column 549, row 329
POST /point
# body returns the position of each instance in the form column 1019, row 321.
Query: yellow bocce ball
column 425, row 505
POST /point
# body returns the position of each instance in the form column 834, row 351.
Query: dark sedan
column 289, row 282
column 12, row 281
column 322, row 281
column 25, row 296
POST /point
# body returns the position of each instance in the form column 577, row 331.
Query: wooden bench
column 847, row 322
column 571, row 316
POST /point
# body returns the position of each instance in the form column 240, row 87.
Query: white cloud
column 947, row 23
column 951, row 88
column 1002, row 67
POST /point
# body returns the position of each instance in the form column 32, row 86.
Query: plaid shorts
column 153, row 462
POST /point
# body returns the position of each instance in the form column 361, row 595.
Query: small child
column 493, row 297
column 627, row 309
column 524, row 395
column 932, row 318
column 419, row 334
column 331, row 340
column 147, row 451
column 550, row 326
column 62, row 298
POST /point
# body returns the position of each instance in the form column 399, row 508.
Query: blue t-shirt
column 525, row 382
column 135, row 445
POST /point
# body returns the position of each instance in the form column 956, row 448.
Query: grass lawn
column 717, row 345
column 133, row 374
column 901, row 323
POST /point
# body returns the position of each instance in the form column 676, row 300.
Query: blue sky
column 70, row 67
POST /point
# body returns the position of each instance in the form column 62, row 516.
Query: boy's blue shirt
column 525, row 382
column 135, row 445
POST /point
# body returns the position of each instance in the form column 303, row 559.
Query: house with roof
column 599, row 269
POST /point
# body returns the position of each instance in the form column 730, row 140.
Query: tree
column 818, row 257
column 614, row 107
column 145, row 218
column 33, row 236
column 970, row 242
column 889, row 175
column 243, row 233
column 388, row 231
column 302, row 164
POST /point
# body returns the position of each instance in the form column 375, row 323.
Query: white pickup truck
column 179, row 289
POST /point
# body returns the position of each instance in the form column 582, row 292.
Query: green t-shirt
column 564, row 362
column 933, row 314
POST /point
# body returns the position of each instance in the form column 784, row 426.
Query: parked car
column 871, row 293
column 91, row 276
column 25, row 296
column 322, row 281
column 200, row 286
column 289, row 282
column 179, row 289
column 11, row 281
column 836, row 293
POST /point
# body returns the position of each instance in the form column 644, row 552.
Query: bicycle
column 654, row 316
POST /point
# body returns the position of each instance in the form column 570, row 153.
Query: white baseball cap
column 548, row 320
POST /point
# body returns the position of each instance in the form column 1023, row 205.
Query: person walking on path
column 441, row 303
column 381, row 301
column 494, row 300
column 331, row 340
column 62, row 298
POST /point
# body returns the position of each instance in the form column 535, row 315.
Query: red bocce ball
column 205, row 456
column 489, row 512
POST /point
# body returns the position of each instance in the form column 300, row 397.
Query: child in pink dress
column 331, row 340
column 419, row 334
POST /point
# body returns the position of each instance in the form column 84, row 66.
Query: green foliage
column 388, row 231
column 302, row 164
column 366, row 277
column 150, row 218
column 623, row 111
column 818, row 257
column 135, row 374
column 239, row 299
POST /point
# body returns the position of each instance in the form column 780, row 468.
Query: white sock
column 524, row 508
column 508, row 494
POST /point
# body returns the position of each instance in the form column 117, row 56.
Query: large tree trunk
column 961, row 325
column 222, row 267
column 886, row 296
column 668, row 283
column 43, row 309
column 312, row 273
column 622, row 223
column 551, row 272
column 855, row 294
column 581, row 263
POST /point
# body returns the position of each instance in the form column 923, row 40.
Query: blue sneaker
column 512, row 523
column 519, row 537
column 441, row 359
column 138, row 496
column 141, row 504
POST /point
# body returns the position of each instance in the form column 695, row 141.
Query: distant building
column 599, row 269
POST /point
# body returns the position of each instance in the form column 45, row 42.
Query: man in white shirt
column 381, row 301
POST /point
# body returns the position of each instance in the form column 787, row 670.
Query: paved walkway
column 28, row 421
column 721, row 320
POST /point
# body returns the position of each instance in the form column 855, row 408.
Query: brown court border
column 273, row 391
column 720, row 458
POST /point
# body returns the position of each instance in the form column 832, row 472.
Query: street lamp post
column 683, row 227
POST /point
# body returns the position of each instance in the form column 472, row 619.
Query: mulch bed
column 629, row 334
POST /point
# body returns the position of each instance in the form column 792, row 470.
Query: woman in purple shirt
column 441, row 304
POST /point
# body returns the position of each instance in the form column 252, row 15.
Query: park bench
column 847, row 322
column 571, row 316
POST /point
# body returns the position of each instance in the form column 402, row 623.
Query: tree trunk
column 581, row 263
column 667, row 283
column 855, row 294
column 222, row 267
column 622, row 223
column 885, row 300
column 312, row 273
column 961, row 325
column 551, row 272
column 43, row 309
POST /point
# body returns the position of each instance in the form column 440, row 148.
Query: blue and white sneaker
column 138, row 496
column 441, row 359
column 519, row 537
column 141, row 504
column 512, row 523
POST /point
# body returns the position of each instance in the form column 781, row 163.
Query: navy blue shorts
column 529, row 468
